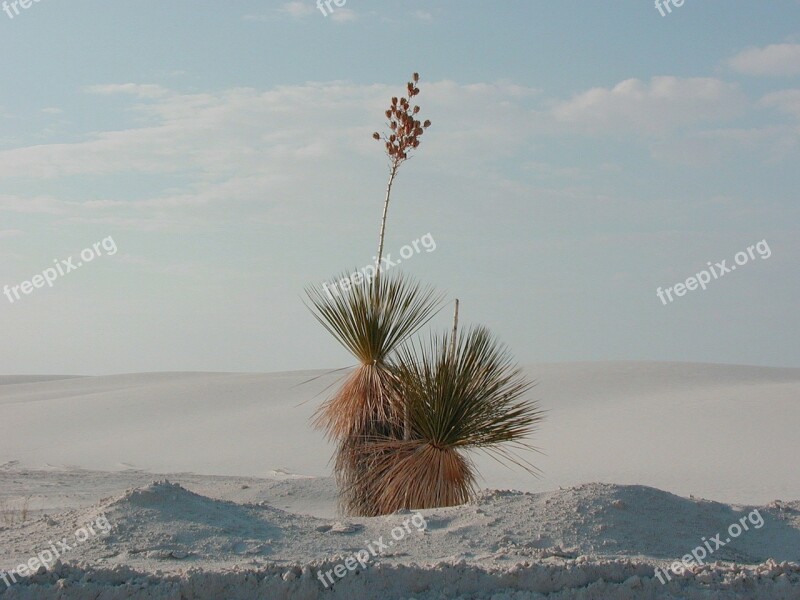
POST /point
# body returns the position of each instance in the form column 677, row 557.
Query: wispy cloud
column 250, row 149
column 134, row 89
column 298, row 9
column 773, row 60
column 660, row 105
column 244, row 151
column 42, row 205
column 760, row 145
column 343, row 15
column 786, row 101
column 295, row 9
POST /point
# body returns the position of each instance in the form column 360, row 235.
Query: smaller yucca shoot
column 463, row 397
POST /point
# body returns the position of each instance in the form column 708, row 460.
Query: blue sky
column 581, row 156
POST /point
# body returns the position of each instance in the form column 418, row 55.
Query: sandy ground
column 205, row 485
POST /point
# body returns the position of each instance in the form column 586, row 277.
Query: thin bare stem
column 392, row 175
column 455, row 331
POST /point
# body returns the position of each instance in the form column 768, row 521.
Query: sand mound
column 594, row 540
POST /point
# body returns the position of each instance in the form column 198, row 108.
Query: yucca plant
column 461, row 397
column 406, row 417
column 371, row 321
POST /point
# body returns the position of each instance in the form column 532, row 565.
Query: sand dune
column 643, row 462
column 716, row 431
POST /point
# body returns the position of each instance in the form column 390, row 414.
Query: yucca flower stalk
column 461, row 398
column 403, row 136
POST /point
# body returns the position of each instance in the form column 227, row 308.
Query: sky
column 211, row 160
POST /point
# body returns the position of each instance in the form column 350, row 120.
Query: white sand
column 250, row 511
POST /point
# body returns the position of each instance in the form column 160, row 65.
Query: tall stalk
column 382, row 233
column 455, row 330
column 403, row 136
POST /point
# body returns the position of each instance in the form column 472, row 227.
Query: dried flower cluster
column 405, row 130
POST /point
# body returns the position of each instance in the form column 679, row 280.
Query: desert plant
column 371, row 321
column 12, row 516
column 405, row 417
column 461, row 397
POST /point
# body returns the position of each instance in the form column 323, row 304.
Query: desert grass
column 11, row 516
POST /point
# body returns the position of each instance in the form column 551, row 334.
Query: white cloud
column 134, row 89
column 712, row 147
column 273, row 154
column 296, row 9
column 52, row 111
column 245, row 151
column 422, row 15
column 786, row 101
column 46, row 205
column 549, row 170
column 774, row 60
column 240, row 129
column 343, row 15
column 664, row 103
